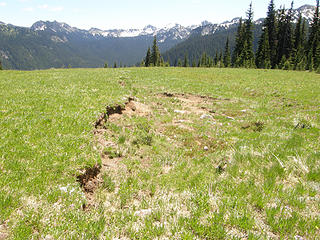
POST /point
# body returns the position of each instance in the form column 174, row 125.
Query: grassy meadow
column 195, row 154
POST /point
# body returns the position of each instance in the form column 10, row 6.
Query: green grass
column 248, row 170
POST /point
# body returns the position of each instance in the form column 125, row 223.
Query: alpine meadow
column 209, row 131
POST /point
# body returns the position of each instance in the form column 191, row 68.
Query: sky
column 126, row 14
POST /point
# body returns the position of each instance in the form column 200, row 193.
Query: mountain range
column 52, row 44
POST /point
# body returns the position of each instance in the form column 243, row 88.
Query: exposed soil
column 89, row 182
column 3, row 232
column 91, row 178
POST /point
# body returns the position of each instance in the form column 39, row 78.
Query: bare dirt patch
column 4, row 234
column 91, row 178
column 194, row 104
column 114, row 113
column 89, row 182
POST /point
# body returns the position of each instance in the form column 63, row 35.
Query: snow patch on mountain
column 168, row 32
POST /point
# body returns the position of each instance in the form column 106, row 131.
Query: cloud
column 56, row 9
column 3, row 4
column 44, row 6
column 49, row 8
column 28, row 9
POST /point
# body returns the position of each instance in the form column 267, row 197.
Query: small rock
column 180, row 111
column 203, row 116
column 143, row 213
column 206, row 148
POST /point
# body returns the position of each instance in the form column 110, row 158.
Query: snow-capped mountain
column 207, row 28
column 55, row 44
column 307, row 12
column 169, row 32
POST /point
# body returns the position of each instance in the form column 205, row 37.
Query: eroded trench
column 91, row 178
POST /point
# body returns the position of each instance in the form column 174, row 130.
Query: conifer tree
column 148, row 58
column 243, row 53
column 194, row 64
column 216, row 59
column 247, row 54
column 268, row 40
column 281, row 36
column 115, row 65
column 1, row 66
column 238, row 46
column 161, row 62
column 227, row 55
column 186, row 61
column 271, row 25
column 314, row 33
column 204, row 59
column 220, row 62
column 155, row 55
column 106, row 65
column 263, row 58
column 299, row 44
column 179, row 63
column 288, row 47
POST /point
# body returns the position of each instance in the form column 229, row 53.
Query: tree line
column 283, row 44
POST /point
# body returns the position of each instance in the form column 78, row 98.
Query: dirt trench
column 91, row 178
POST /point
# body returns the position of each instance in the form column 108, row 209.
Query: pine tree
column 186, row 61
column 115, row 65
column 243, row 53
column 194, row 64
column 271, row 25
column 248, row 55
column 266, row 54
column 227, row 55
column 299, row 44
column 288, row 48
column 216, row 59
column 204, row 59
column 314, row 33
column 161, row 62
column 281, row 36
column 220, row 62
column 238, row 46
column 106, row 65
column 310, row 62
column 263, row 58
column 179, row 63
column 1, row 66
column 148, row 58
column 155, row 56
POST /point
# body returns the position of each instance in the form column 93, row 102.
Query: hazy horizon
column 131, row 15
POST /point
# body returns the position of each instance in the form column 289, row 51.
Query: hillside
column 53, row 44
column 159, row 153
column 211, row 38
